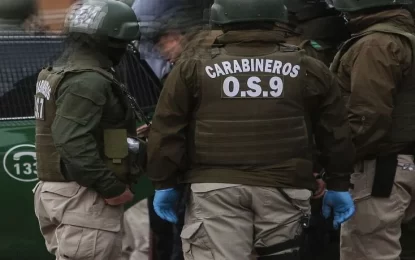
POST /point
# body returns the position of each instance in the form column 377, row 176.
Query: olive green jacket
column 85, row 102
column 168, row 158
column 370, row 73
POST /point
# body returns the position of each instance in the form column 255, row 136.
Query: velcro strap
column 293, row 243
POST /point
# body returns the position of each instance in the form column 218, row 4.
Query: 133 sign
column 19, row 163
column 253, row 87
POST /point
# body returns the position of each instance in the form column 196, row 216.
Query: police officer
column 319, row 28
column 83, row 120
column 377, row 79
column 233, row 123
column 170, row 26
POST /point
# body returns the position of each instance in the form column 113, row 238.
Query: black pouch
column 384, row 175
column 316, row 235
column 184, row 191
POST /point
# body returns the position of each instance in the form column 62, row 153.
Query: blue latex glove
column 165, row 202
column 342, row 205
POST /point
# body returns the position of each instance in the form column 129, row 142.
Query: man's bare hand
column 143, row 131
column 127, row 196
column 321, row 187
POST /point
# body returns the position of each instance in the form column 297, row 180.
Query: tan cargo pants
column 374, row 231
column 76, row 223
column 226, row 222
column 136, row 236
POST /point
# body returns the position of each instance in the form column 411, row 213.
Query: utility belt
column 385, row 172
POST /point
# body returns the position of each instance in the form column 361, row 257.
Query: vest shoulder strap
column 52, row 76
column 382, row 28
column 214, row 51
column 387, row 28
column 211, row 44
column 285, row 47
column 108, row 75
column 104, row 73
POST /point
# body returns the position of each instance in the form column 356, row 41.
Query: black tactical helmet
column 237, row 11
column 103, row 18
column 309, row 9
column 357, row 5
column 298, row 5
column 17, row 9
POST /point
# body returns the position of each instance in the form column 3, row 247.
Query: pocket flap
column 115, row 143
column 189, row 230
column 66, row 189
column 298, row 194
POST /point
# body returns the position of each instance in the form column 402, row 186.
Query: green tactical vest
column 114, row 150
column 251, row 110
column 403, row 117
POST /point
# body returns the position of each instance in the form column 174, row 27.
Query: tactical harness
column 295, row 247
column 402, row 127
column 212, row 127
column 126, row 165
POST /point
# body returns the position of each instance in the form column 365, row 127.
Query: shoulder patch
column 316, row 45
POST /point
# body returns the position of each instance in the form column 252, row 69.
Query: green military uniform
column 235, row 123
column 83, row 119
column 86, row 102
column 376, row 72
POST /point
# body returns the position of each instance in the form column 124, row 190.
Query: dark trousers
column 322, row 241
column 408, row 240
column 166, row 241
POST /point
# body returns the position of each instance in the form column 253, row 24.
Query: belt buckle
column 305, row 221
